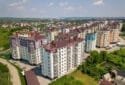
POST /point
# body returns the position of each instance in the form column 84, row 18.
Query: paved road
column 5, row 51
column 13, row 72
column 43, row 81
column 27, row 67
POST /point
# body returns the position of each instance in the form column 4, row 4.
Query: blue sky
column 62, row 8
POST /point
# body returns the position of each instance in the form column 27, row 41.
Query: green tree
column 103, row 56
column 94, row 57
column 123, row 28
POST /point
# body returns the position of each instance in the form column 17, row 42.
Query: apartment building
column 63, row 49
column 27, row 46
column 61, row 56
column 103, row 38
column 114, row 35
column 90, row 42
column 109, row 34
column 114, row 32
column 51, row 35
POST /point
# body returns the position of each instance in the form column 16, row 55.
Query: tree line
column 100, row 63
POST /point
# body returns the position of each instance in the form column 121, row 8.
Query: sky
column 62, row 8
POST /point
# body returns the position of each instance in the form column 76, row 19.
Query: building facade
column 114, row 35
column 62, row 56
column 103, row 38
column 27, row 46
column 90, row 42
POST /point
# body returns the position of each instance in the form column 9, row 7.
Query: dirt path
column 13, row 72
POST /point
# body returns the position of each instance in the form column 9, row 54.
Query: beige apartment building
column 103, row 38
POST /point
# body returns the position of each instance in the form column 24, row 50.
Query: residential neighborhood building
column 103, row 38
column 27, row 46
column 90, row 42
column 115, row 28
column 61, row 56
column 113, row 78
column 61, row 49
column 114, row 35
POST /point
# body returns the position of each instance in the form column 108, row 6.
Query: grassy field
column 7, row 57
column 85, row 79
column 4, row 39
column 75, row 78
column 4, row 75
column 5, row 36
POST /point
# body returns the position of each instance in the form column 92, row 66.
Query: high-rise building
column 114, row 35
column 114, row 31
column 103, row 38
column 51, row 35
column 61, row 56
column 27, row 46
column 90, row 42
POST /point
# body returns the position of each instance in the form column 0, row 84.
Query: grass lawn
column 75, row 78
column 22, row 78
column 4, row 39
column 4, row 75
column 85, row 79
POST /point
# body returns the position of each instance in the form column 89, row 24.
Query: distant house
column 113, row 78
column 120, row 78
column 105, row 82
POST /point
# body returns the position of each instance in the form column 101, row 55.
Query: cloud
column 51, row 4
column 20, row 8
column 25, row 1
column 14, row 4
column 73, row 10
column 33, row 9
column 18, row 3
column 42, row 11
column 16, row 8
column 69, row 8
column 62, row 4
column 98, row 2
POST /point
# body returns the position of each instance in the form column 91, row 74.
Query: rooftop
column 105, row 82
column 31, row 78
column 62, row 42
column 31, row 35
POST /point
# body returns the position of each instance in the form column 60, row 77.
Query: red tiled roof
column 31, row 78
column 34, row 35
column 52, row 47
column 105, row 82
